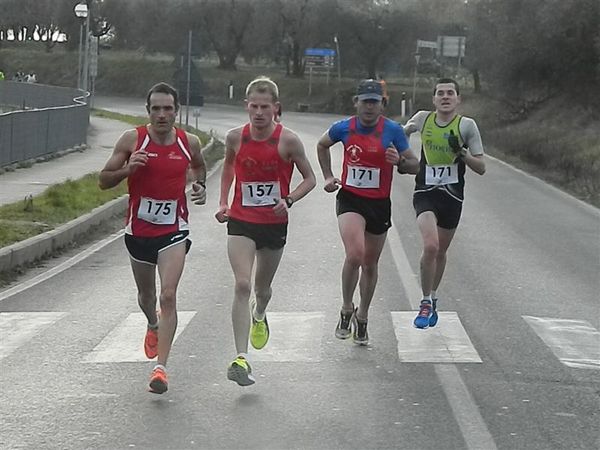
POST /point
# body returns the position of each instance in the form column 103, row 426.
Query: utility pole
column 189, row 71
column 414, row 92
column 86, row 56
column 339, row 59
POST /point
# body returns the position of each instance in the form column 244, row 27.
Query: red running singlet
column 365, row 171
column 262, row 178
column 157, row 201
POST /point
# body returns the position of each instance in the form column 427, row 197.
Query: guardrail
column 47, row 119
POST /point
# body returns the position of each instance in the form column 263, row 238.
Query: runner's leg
column 144, row 275
column 267, row 261
column 241, row 251
column 427, row 223
column 352, row 231
column 369, row 271
column 170, row 267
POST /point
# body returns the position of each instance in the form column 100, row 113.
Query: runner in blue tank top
column 373, row 145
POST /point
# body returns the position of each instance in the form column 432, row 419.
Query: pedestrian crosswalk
column 576, row 343
column 124, row 342
column 16, row 328
column 299, row 337
column 447, row 343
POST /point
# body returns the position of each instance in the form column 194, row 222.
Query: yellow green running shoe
column 259, row 333
column 240, row 372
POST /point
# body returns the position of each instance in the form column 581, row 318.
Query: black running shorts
column 447, row 209
column 143, row 249
column 270, row 235
column 377, row 212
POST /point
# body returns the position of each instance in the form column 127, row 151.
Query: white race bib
column 158, row 212
column 260, row 193
column 439, row 175
column 363, row 177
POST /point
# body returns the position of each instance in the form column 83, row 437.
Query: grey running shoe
column 342, row 329
column 240, row 372
column 359, row 331
column 433, row 320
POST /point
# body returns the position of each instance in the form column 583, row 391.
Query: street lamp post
column 339, row 60
column 414, row 91
column 81, row 11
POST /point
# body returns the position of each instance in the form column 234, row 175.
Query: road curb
column 45, row 244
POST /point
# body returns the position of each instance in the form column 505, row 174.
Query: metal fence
column 42, row 120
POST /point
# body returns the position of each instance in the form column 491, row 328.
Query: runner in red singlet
column 259, row 160
column 156, row 160
column 373, row 144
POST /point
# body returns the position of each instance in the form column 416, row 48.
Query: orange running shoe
column 151, row 343
column 158, row 381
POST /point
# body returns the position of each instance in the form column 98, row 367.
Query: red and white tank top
column 262, row 177
column 365, row 171
column 157, row 201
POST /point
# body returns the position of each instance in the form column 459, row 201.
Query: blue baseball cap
column 369, row 90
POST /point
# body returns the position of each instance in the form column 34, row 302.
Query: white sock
column 153, row 326
column 243, row 355
column 427, row 297
column 257, row 316
column 161, row 366
column 433, row 295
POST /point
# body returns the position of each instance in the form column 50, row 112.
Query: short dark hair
column 163, row 88
column 447, row 81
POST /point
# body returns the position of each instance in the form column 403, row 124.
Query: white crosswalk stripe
column 448, row 342
column 576, row 343
column 295, row 337
column 125, row 342
column 16, row 328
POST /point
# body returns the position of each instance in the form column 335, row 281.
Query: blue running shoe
column 422, row 319
column 433, row 320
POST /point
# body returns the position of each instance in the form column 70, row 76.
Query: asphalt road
column 513, row 364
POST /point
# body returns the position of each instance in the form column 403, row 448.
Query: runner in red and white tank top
column 262, row 178
column 159, row 208
column 365, row 171
column 260, row 157
column 157, row 161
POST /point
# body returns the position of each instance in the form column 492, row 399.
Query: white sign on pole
column 93, row 56
column 426, row 44
column 451, row 46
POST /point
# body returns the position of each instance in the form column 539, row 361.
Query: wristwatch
column 289, row 201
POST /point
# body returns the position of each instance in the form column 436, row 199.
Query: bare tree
column 225, row 23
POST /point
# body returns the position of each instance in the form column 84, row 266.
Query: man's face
column 162, row 112
column 261, row 109
column 445, row 98
column 368, row 111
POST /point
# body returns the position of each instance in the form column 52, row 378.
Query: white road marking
column 295, row 337
column 16, row 328
column 125, row 343
column 61, row 267
column 73, row 260
column 576, row 343
column 446, row 343
column 466, row 412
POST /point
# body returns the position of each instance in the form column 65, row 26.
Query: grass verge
column 63, row 202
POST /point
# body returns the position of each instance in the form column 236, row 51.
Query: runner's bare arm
column 331, row 182
column 295, row 150
column 409, row 163
column 197, row 171
column 122, row 162
column 232, row 145
column 197, row 164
